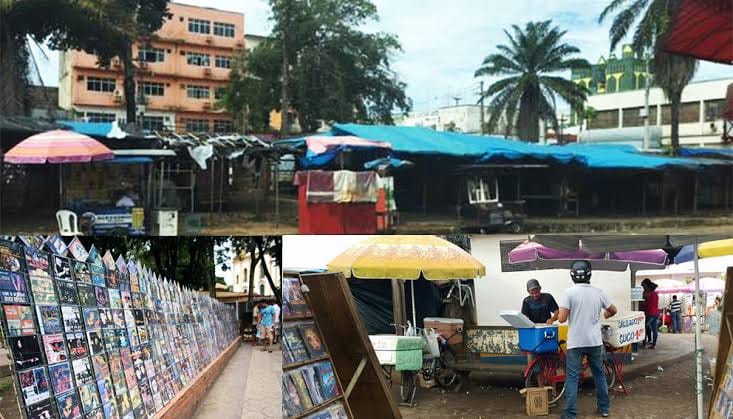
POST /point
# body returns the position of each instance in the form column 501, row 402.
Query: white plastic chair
column 68, row 223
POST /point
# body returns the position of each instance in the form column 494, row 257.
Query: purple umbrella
column 542, row 257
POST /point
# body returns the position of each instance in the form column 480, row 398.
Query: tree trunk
column 129, row 83
column 13, row 79
column 252, row 265
column 676, row 100
column 285, row 100
column 529, row 118
column 261, row 252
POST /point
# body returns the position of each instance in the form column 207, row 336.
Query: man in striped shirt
column 675, row 308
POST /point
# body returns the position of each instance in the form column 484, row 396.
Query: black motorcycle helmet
column 580, row 271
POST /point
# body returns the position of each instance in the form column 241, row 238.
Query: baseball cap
column 532, row 284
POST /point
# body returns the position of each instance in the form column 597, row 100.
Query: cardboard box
column 537, row 400
column 451, row 329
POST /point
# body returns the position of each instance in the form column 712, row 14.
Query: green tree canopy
column 334, row 71
column 529, row 94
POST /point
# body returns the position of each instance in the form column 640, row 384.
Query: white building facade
column 701, row 113
column 241, row 271
column 461, row 118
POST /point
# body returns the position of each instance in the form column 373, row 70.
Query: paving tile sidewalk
column 248, row 387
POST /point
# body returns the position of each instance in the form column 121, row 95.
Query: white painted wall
column 505, row 290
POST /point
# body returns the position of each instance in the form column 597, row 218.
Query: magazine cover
column 91, row 318
column 34, row 385
column 37, row 262
column 294, row 304
column 102, row 296
column 49, row 319
column 13, row 288
column 19, row 319
column 76, row 343
column 35, row 242
column 98, row 275
column 62, row 268
column 76, row 248
column 42, row 410
column 55, row 348
column 338, row 411
column 312, row 382
column 97, row 413
column 96, row 344
column 89, row 397
column 291, row 401
column 56, row 245
column 72, row 319
column 301, row 388
column 69, row 406
column 294, row 343
column 104, row 386
column 123, row 403
column 115, row 299
column 87, row 297
column 105, row 318
column 42, row 289
column 94, row 256
column 80, row 271
column 329, row 387
column 139, row 317
column 118, row 318
column 110, row 410
column 60, row 377
column 101, row 368
column 121, row 265
column 11, row 257
column 83, row 373
column 312, row 339
column 126, row 299
column 110, row 340
column 112, row 279
column 67, row 293
column 109, row 261
column 26, row 351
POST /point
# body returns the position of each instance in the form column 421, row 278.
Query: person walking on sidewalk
column 276, row 307
column 651, row 310
column 267, row 314
column 675, row 309
column 581, row 306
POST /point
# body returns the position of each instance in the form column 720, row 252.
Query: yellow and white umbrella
column 407, row 258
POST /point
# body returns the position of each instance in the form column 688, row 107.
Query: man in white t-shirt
column 276, row 318
column 581, row 306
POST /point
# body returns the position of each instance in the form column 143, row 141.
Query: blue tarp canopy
column 391, row 162
column 725, row 153
column 129, row 160
column 419, row 140
column 100, row 129
column 607, row 156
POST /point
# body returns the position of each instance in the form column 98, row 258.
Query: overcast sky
column 445, row 41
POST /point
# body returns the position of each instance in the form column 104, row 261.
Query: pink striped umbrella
column 58, row 146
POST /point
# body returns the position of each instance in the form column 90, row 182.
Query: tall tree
column 530, row 92
column 321, row 65
column 652, row 19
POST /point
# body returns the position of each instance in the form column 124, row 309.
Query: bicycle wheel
column 446, row 375
column 408, row 385
column 548, row 371
column 610, row 370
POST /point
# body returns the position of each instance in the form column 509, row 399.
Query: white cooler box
column 624, row 329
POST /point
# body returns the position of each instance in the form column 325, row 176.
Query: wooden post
column 398, row 304
column 695, row 191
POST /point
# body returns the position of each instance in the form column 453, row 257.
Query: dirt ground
column 8, row 402
column 668, row 394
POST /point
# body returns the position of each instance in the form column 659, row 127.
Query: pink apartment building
column 181, row 74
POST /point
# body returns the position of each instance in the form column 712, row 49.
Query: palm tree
column 672, row 72
column 530, row 93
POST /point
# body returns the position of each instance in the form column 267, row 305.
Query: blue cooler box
column 540, row 339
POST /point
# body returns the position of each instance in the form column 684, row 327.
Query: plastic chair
column 68, row 223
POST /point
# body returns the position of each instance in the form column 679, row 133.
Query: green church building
column 614, row 74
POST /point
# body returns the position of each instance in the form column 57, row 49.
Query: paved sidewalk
column 248, row 387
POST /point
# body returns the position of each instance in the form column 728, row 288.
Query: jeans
column 676, row 322
column 574, row 365
column 651, row 330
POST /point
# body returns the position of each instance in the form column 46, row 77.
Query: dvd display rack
column 97, row 337
column 311, row 388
